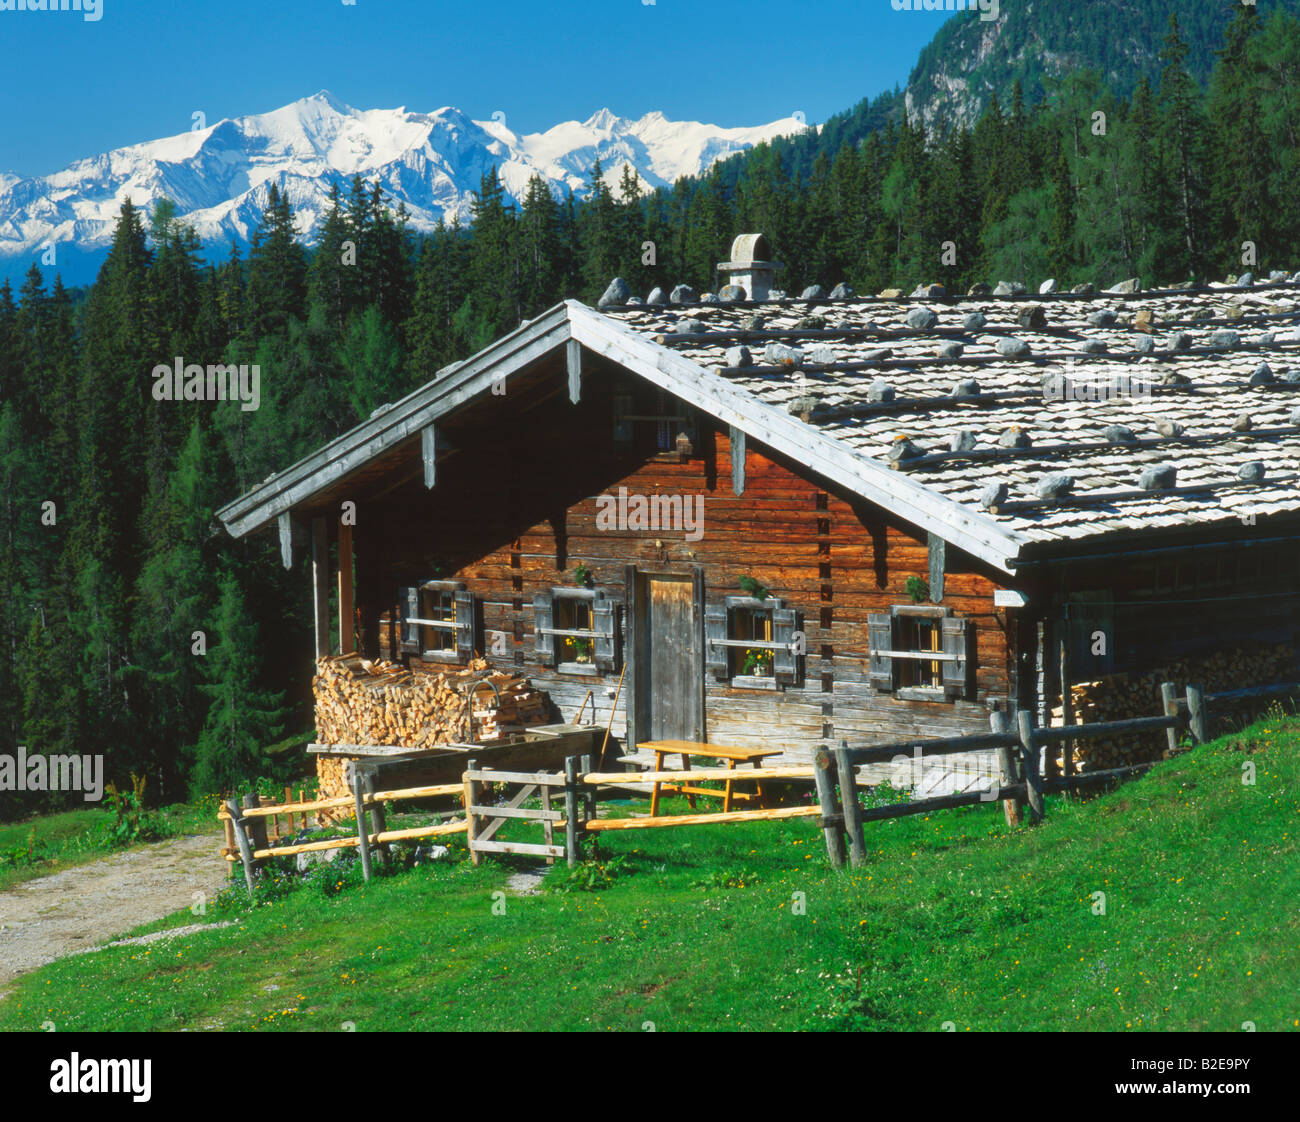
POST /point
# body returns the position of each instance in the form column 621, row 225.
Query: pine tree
column 243, row 717
column 277, row 270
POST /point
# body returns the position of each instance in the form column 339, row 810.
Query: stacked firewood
column 1119, row 697
column 365, row 702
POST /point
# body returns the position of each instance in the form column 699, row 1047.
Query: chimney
column 751, row 266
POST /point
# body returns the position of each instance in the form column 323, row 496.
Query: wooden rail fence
column 1027, row 775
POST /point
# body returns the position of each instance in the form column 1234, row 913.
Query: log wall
column 514, row 513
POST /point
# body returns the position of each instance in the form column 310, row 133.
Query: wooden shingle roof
column 1205, row 381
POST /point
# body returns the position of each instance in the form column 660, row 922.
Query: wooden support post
column 471, row 799
column 573, row 361
column 849, row 801
column 1033, row 774
column 241, row 839
column 347, row 623
column 938, row 563
column 288, row 798
column 320, row 584
column 363, row 822
column 832, row 819
column 286, row 539
column 548, row 826
column 1198, row 717
column 429, row 455
column 1169, row 707
column 1067, row 699
column 377, row 812
column 1009, row 759
column 589, row 808
column 737, row 461
column 571, row 809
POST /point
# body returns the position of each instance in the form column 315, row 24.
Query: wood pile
column 375, row 702
column 1119, row 697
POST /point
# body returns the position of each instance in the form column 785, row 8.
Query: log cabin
column 784, row 522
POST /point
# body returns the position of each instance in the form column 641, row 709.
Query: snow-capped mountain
column 219, row 176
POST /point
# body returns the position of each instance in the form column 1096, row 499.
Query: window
column 754, row 644
column 575, row 633
column 920, row 653
column 575, row 630
column 438, row 621
column 919, row 634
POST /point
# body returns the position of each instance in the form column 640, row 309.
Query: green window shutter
column 956, row 641
column 408, row 600
column 715, row 627
column 543, row 644
column 465, row 629
column 880, row 635
column 604, row 623
column 787, row 667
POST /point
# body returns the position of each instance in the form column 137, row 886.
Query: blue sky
column 74, row 88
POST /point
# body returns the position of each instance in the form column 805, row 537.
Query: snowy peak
column 219, row 175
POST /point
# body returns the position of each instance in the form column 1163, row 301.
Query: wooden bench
column 688, row 748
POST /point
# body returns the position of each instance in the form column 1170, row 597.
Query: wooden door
column 667, row 658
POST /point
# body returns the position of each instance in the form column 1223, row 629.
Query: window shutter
column 880, row 635
column 408, row 599
column 787, row 667
column 544, row 644
column 715, row 627
column 603, row 619
column 464, row 625
column 956, row 641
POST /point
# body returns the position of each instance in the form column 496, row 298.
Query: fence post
column 241, row 840
column 363, row 821
column 1012, row 807
column 380, row 818
column 1169, row 706
column 832, row 818
column 571, row 809
column 1198, row 715
column 849, row 801
column 1029, row 754
column 589, row 811
column 256, row 827
column 470, row 801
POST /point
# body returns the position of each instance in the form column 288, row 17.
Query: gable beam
column 938, row 561
column 738, row 454
column 429, row 453
column 573, row 357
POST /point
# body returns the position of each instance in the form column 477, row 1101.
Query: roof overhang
column 661, row 366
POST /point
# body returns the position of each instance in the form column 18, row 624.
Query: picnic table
column 688, row 748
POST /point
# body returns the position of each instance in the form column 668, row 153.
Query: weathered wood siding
column 514, row 512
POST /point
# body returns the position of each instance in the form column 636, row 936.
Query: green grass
column 41, row 845
column 955, row 918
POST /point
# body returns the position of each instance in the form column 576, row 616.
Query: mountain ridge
column 220, row 176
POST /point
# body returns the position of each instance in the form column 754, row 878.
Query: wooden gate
column 485, row 821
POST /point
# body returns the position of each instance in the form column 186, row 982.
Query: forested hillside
column 1038, row 42
column 130, row 624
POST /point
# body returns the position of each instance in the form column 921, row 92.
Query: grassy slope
column 955, row 918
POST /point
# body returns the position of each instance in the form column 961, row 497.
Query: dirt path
column 74, row 910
